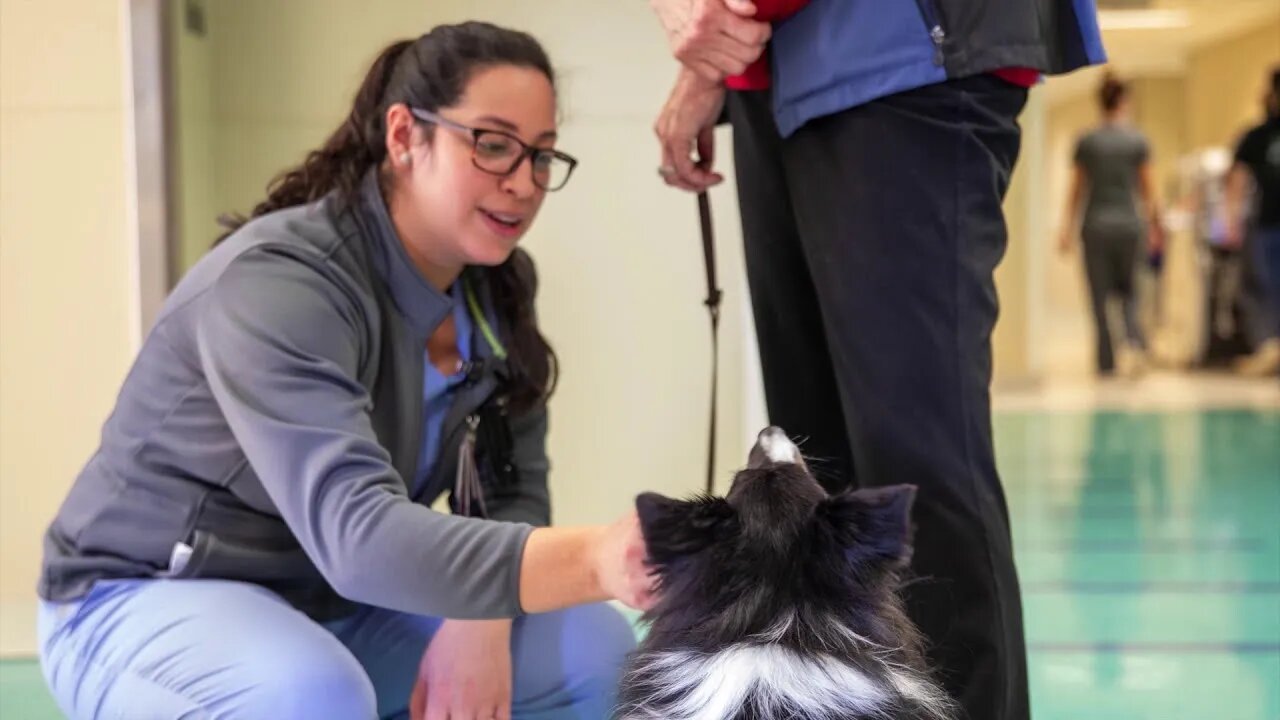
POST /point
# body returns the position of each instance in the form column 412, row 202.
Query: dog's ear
column 873, row 525
column 674, row 529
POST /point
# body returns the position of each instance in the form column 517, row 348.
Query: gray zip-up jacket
column 271, row 422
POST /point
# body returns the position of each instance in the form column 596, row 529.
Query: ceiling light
column 1143, row 19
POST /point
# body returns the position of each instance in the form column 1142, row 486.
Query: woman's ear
column 401, row 127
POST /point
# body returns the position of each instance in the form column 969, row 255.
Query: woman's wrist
column 561, row 568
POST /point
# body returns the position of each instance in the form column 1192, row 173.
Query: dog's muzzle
column 773, row 446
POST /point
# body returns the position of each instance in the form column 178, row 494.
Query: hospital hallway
column 1134, row 362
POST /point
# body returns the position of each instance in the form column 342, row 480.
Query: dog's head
column 779, row 558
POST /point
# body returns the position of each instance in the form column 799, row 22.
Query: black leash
column 714, row 294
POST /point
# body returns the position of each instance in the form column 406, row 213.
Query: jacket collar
column 421, row 304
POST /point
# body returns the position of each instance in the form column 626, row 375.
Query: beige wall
column 1158, row 103
column 284, row 72
column 65, row 295
column 195, row 138
column 268, row 81
column 1016, row 356
column 1225, row 84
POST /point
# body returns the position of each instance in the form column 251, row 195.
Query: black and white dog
column 779, row 602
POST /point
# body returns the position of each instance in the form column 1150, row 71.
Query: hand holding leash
column 687, row 123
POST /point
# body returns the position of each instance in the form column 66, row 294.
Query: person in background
column 1257, row 163
column 1121, row 226
column 873, row 145
column 254, row 536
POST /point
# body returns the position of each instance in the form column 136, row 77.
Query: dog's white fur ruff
column 716, row 686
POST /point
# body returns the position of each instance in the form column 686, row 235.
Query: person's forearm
column 559, row 569
column 1073, row 202
column 1233, row 199
column 1150, row 206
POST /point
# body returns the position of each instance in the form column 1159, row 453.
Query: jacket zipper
column 934, row 25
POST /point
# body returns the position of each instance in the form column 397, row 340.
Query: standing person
column 253, row 537
column 1112, row 174
column 1257, row 159
column 873, row 144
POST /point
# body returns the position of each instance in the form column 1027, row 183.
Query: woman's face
column 453, row 213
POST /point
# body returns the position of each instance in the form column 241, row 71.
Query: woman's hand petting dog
column 622, row 570
column 465, row 673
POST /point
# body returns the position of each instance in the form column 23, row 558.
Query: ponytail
column 345, row 157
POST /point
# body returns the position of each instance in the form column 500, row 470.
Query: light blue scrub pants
column 197, row 649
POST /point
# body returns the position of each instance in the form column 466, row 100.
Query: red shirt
column 756, row 76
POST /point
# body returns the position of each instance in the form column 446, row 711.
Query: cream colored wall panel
column 55, row 54
column 65, row 314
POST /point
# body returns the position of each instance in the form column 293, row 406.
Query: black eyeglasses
column 500, row 153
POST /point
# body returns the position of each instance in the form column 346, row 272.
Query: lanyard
column 477, row 316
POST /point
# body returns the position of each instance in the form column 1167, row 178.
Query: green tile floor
column 1149, row 552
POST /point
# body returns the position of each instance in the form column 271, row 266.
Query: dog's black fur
column 731, row 569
